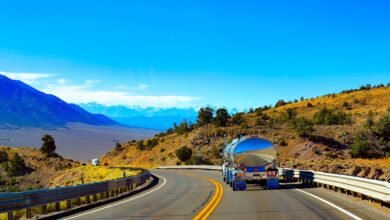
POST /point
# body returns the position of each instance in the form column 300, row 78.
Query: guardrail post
column 10, row 215
column 78, row 201
column 29, row 213
column 88, row 199
column 58, row 206
column 68, row 204
column 108, row 194
column 44, row 209
column 95, row 197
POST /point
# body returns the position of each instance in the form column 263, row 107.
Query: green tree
column 331, row 117
column 222, row 117
column 279, row 103
column 140, row 145
column 238, row 118
column 48, row 146
column 3, row 156
column 183, row 153
column 16, row 166
column 303, row 127
column 361, row 146
column 382, row 127
column 369, row 120
column 205, row 116
column 182, row 128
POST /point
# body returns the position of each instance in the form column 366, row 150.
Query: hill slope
column 327, row 148
column 21, row 105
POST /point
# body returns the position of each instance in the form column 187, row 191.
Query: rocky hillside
column 340, row 133
column 30, row 169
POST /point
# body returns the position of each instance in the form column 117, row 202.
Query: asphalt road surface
column 183, row 194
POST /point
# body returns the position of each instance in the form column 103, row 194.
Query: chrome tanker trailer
column 250, row 158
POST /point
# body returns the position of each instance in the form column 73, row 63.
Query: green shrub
column 331, row 117
column 140, row 145
column 280, row 103
column 303, row 127
column 238, row 118
column 16, row 166
column 369, row 120
column 3, row 156
column 382, row 127
column 183, row 153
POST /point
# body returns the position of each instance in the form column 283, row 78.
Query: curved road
column 183, row 194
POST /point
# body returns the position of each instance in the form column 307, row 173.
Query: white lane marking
column 329, row 203
column 119, row 203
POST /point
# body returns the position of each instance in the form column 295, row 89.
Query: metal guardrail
column 375, row 189
column 192, row 167
column 10, row 202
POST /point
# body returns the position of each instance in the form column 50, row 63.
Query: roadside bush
column 331, row 117
column 238, row 118
column 3, row 156
column 140, row 145
column 198, row 160
column 118, row 147
column 280, row 103
column 16, row 166
column 303, row 127
column 183, row 153
column 382, row 127
column 369, row 120
column 150, row 143
column 309, row 105
column 182, row 128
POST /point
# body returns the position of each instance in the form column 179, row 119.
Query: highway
column 184, row 194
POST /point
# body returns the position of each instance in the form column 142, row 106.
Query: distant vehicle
column 95, row 162
column 250, row 158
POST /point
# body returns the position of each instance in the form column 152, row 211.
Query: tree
column 369, row 120
column 331, row 117
column 140, row 145
column 303, row 127
column 182, row 128
column 279, row 103
column 205, row 116
column 382, row 127
column 48, row 147
column 361, row 146
column 118, row 147
column 238, row 119
column 16, row 166
column 222, row 117
column 183, row 153
column 3, row 156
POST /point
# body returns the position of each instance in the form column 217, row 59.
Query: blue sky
column 194, row 53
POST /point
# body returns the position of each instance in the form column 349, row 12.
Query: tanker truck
column 250, row 159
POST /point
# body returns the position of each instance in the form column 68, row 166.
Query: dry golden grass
column 89, row 174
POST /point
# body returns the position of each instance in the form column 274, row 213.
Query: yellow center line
column 212, row 205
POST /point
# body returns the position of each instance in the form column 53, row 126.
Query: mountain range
column 23, row 106
column 26, row 114
column 145, row 117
